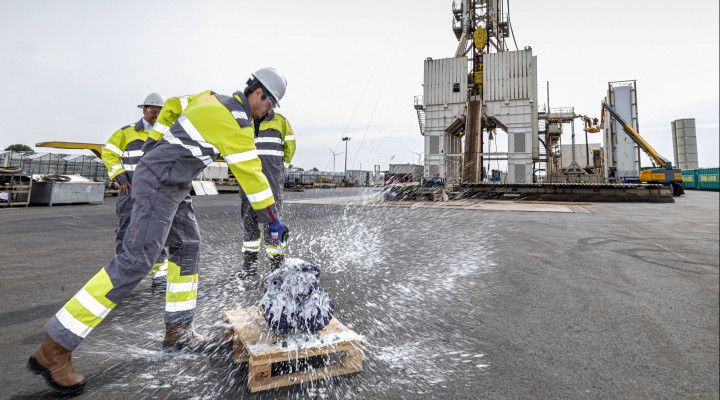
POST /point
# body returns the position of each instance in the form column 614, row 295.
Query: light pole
column 334, row 154
column 418, row 154
column 345, row 139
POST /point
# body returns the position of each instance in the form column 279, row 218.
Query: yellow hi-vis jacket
column 123, row 151
column 207, row 125
column 275, row 140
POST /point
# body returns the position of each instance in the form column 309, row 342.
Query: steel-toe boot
column 181, row 335
column 54, row 363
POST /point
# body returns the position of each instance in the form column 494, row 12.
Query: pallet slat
column 255, row 343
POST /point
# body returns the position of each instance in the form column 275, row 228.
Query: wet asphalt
column 463, row 304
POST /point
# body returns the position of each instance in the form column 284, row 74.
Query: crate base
column 256, row 344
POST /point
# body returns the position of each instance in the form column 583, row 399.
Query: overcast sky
column 75, row 70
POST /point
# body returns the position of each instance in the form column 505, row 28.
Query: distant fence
column 90, row 167
column 354, row 178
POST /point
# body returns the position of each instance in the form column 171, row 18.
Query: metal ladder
column 420, row 108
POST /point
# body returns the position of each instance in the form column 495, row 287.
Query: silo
column 685, row 143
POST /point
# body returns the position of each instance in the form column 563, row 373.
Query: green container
column 690, row 179
column 709, row 179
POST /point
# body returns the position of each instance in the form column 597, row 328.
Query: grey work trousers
column 123, row 208
column 161, row 204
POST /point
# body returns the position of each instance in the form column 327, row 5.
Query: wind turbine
column 334, row 155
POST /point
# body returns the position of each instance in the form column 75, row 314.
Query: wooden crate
column 255, row 343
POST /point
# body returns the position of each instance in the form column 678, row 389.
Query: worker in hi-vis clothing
column 121, row 155
column 210, row 125
column 275, row 142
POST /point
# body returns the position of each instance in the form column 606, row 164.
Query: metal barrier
column 89, row 167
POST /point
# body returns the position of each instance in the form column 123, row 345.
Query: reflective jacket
column 275, row 142
column 123, row 151
column 197, row 129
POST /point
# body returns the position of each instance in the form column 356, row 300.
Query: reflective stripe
column 180, row 305
column 114, row 149
column 194, row 133
column 72, row 324
column 273, row 251
column 181, row 287
column 115, row 169
column 252, row 246
column 183, row 102
column 129, row 167
column 195, row 150
column 287, row 165
column 159, row 127
column 240, row 157
column 160, row 267
column 91, row 304
column 239, row 115
column 270, row 153
column 268, row 140
column 159, row 274
column 260, row 196
column 133, row 153
column 289, row 137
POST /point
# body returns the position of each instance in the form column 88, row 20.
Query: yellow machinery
column 94, row 147
column 479, row 38
column 665, row 174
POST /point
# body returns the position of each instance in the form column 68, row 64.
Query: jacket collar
column 244, row 101
column 139, row 126
column 269, row 116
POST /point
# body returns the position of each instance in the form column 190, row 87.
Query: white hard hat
column 153, row 99
column 271, row 79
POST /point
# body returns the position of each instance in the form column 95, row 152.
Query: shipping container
column 690, row 179
column 399, row 177
column 709, row 178
column 415, row 171
column 358, row 177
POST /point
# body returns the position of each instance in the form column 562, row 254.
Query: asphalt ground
column 621, row 303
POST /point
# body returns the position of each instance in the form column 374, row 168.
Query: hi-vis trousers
column 161, row 205
column 252, row 235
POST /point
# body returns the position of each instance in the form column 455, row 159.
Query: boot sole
column 34, row 366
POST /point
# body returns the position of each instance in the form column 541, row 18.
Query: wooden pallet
column 256, row 344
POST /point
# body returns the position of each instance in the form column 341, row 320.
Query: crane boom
column 645, row 146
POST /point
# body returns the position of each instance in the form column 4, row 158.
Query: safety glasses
column 272, row 103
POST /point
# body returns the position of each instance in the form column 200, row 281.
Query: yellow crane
column 665, row 174
column 94, row 147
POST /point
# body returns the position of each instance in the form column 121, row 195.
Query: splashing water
column 293, row 302
column 397, row 276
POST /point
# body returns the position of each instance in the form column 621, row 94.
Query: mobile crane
column 666, row 174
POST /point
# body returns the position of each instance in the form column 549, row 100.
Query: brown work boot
column 182, row 336
column 54, row 362
column 276, row 261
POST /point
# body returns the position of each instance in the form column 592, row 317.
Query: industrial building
column 486, row 89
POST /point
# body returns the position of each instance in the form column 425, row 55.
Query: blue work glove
column 278, row 231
